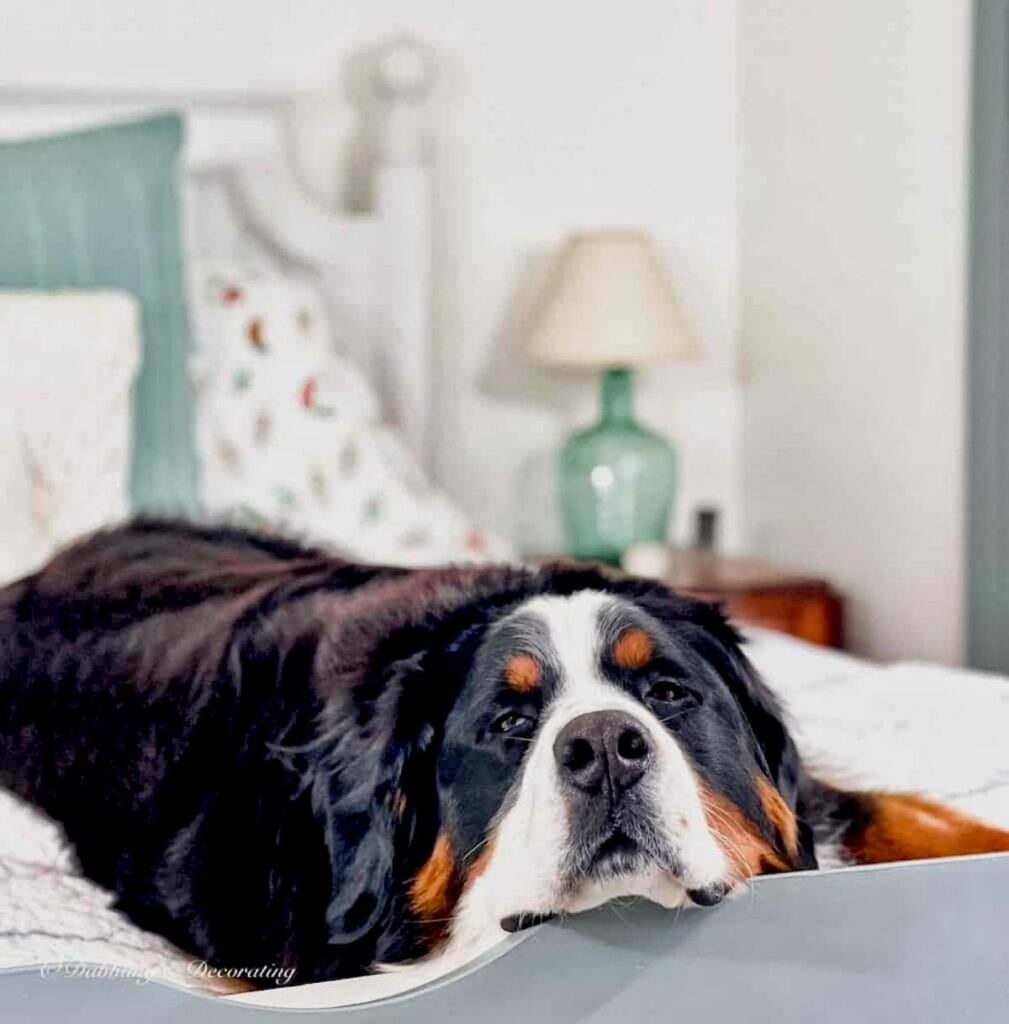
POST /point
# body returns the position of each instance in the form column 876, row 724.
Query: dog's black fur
column 239, row 735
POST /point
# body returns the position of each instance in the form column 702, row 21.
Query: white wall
column 844, row 241
column 553, row 117
column 852, row 210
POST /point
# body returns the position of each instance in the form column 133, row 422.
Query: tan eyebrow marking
column 523, row 673
column 633, row 648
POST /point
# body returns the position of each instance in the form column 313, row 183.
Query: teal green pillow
column 100, row 209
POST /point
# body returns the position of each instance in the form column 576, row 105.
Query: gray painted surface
column 988, row 374
column 923, row 943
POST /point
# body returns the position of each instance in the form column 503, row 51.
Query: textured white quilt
column 907, row 726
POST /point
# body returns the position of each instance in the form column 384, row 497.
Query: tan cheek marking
column 523, row 673
column 747, row 851
column 780, row 815
column 435, row 888
column 633, row 649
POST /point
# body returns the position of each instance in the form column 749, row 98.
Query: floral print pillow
column 289, row 434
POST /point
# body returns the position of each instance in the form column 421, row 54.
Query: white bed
column 904, row 726
column 359, row 273
column 249, row 159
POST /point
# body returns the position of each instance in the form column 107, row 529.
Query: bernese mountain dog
column 274, row 756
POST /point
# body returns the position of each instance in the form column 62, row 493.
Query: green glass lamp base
column 617, row 480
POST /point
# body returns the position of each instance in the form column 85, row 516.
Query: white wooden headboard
column 264, row 182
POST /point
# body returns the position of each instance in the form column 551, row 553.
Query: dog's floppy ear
column 759, row 706
column 784, row 765
column 366, row 792
column 723, row 650
column 388, row 678
column 766, row 720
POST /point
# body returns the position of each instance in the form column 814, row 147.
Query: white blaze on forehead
column 531, row 836
column 573, row 629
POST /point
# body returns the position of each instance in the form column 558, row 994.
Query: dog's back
column 121, row 621
column 138, row 669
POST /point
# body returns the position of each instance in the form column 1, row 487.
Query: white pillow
column 289, row 433
column 70, row 359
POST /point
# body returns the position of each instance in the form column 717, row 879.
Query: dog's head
column 558, row 748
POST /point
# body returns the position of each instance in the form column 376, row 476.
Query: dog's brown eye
column 665, row 691
column 510, row 721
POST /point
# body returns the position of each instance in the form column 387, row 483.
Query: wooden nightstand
column 759, row 594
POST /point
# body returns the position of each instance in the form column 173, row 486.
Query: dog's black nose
column 602, row 749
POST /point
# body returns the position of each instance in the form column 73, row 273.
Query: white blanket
column 907, row 726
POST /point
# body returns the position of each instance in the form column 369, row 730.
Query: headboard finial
column 404, row 75
column 405, row 69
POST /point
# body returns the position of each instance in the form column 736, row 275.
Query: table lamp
column 608, row 305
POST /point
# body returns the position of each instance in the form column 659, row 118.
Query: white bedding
column 64, row 417
column 905, row 726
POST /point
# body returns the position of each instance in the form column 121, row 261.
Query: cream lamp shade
column 608, row 302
